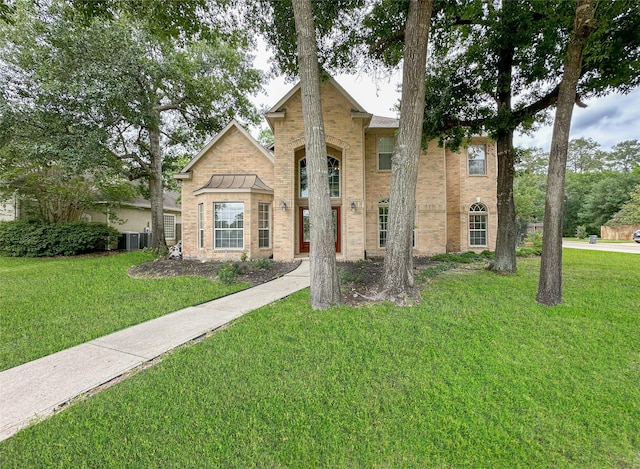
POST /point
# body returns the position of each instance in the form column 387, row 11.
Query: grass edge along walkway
column 34, row 390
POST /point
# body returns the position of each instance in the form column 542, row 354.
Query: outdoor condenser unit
column 129, row 241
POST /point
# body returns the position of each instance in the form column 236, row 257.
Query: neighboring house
column 9, row 210
column 135, row 216
column 238, row 196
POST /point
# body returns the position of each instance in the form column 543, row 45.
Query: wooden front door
column 305, row 232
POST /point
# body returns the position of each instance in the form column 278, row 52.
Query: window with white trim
column 385, row 152
column 169, row 226
column 383, row 223
column 333, row 170
column 477, row 159
column 478, row 225
column 201, row 226
column 264, row 225
column 228, row 225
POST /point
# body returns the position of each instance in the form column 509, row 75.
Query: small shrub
column 35, row 239
column 534, row 239
column 262, row 264
column 228, row 273
column 529, row 251
column 351, row 277
column 581, row 232
column 244, row 256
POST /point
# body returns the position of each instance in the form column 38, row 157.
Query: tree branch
column 175, row 105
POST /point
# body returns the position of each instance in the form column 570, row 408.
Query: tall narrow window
column 478, row 225
column 477, row 159
column 228, row 226
column 169, row 226
column 200, row 226
column 264, row 225
column 333, row 169
column 383, row 223
column 385, row 151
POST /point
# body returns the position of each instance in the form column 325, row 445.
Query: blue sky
column 607, row 120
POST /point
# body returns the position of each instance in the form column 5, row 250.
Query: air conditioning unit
column 129, row 241
column 145, row 239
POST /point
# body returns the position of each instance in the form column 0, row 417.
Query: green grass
column 51, row 304
column 477, row 375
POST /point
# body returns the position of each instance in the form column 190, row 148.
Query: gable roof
column 184, row 173
column 379, row 122
column 355, row 107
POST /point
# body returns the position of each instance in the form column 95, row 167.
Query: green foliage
column 244, row 256
column 528, row 251
column 535, row 239
column 629, row 213
column 624, row 156
column 435, row 270
column 606, row 198
column 35, row 239
column 463, row 258
column 228, row 273
column 477, row 375
column 52, row 304
column 581, row 232
column 262, row 263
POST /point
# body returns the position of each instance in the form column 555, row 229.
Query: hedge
column 35, row 239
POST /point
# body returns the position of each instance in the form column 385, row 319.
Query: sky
column 607, row 120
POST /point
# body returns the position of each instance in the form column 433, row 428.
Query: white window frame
column 169, row 223
column 390, row 154
column 220, row 230
column 384, row 205
column 201, row 225
column 264, row 225
column 305, row 195
column 473, row 151
column 478, row 224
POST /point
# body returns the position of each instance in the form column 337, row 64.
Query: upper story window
column 477, row 159
column 333, row 169
column 385, row 152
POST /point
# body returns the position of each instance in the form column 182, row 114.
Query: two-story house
column 238, row 196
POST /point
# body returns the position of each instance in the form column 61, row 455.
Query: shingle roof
column 379, row 122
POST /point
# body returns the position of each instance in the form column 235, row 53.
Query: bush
column 534, row 239
column 36, row 239
column 262, row 264
column 581, row 232
column 529, row 252
column 464, row 258
column 228, row 273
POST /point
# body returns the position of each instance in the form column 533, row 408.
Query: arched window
column 478, row 225
column 333, row 169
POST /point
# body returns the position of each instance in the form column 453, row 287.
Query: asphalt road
column 629, row 248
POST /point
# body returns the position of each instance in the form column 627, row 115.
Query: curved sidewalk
column 35, row 390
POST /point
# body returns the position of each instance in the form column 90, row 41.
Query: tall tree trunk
column 156, row 194
column 398, row 262
column 505, row 261
column 325, row 286
column 550, row 281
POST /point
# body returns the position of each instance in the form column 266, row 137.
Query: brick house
column 238, row 196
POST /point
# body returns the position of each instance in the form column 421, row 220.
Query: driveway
column 629, row 248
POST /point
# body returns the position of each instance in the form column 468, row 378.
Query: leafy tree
column 606, row 198
column 529, row 194
column 325, row 286
column 497, row 67
column 531, row 161
column 577, row 188
column 629, row 213
column 550, row 281
column 584, row 155
column 150, row 95
column 624, row 156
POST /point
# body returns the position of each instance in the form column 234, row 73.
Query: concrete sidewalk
column 36, row 389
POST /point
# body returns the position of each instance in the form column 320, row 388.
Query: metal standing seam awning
column 234, row 183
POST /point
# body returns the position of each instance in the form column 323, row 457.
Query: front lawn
column 478, row 375
column 51, row 304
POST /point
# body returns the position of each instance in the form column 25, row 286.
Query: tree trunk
column 505, row 261
column 398, row 263
column 156, row 193
column 550, row 281
column 325, row 286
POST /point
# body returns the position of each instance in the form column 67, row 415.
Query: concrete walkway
column 35, row 390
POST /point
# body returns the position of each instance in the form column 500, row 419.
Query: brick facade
column 444, row 194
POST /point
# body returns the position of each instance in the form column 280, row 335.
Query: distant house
column 9, row 209
column 135, row 216
column 238, row 196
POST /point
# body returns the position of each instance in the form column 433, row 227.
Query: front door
column 305, row 232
